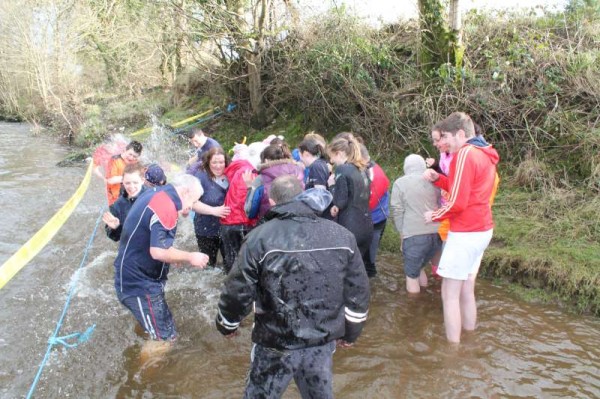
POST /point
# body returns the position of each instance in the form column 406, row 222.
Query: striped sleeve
column 460, row 181
column 355, row 317
column 225, row 326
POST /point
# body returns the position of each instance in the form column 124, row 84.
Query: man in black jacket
column 308, row 284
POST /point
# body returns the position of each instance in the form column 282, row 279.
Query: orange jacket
column 116, row 166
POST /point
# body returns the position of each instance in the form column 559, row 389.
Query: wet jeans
column 272, row 370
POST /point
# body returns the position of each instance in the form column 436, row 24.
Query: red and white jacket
column 470, row 184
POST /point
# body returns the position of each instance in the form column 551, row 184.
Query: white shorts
column 462, row 253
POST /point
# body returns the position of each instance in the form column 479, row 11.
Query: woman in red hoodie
column 236, row 225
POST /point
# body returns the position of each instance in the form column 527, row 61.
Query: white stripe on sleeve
column 355, row 317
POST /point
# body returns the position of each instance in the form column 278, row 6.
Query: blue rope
column 81, row 337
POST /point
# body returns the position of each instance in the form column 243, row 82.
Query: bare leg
column 412, row 285
column 468, row 305
column 451, row 290
column 153, row 351
column 423, row 279
column 435, row 261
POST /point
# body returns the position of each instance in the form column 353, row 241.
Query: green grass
column 547, row 248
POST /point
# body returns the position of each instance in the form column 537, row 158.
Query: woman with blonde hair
column 351, row 190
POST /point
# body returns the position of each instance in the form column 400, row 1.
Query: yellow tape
column 192, row 118
column 180, row 123
column 39, row 240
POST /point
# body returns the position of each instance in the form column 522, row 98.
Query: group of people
column 298, row 232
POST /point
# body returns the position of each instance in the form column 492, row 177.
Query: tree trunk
column 456, row 36
column 440, row 41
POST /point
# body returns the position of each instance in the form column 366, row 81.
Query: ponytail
column 347, row 143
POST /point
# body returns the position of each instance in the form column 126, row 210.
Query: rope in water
column 78, row 337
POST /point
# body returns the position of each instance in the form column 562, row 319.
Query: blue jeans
column 418, row 250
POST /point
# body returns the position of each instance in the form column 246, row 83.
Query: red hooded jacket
column 236, row 194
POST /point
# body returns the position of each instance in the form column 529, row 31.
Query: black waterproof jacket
column 351, row 195
column 305, row 276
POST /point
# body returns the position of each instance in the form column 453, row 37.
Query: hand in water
column 110, row 220
column 198, row 259
column 340, row 343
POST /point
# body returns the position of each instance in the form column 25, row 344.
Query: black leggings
column 211, row 247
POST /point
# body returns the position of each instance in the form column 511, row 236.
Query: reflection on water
column 519, row 349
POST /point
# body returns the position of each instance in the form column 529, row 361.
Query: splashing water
column 165, row 148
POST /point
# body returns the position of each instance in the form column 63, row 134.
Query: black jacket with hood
column 305, row 276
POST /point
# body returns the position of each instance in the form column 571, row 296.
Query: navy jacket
column 214, row 195
column 152, row 222
column 120, row 208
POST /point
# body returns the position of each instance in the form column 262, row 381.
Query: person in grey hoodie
column 412, row 195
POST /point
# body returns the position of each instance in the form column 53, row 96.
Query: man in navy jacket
column 146, row 250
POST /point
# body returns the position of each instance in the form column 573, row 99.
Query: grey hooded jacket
column 412, row 196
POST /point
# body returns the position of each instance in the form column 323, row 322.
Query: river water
column 520, row 350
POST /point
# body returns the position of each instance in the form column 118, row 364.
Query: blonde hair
column 347, row 143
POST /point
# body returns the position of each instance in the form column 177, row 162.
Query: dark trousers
column 371, row 254
column 232, row 236
column 272, row 370
column 211, row 247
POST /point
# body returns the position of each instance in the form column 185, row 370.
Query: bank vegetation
column 531, row 80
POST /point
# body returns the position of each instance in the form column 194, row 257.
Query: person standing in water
column 351, row 191
column 145, row 251
column 203, row 144
column 441, row 166
column 412, row 196
column 379, row 201
column 210, row 209
column 304, row 277
column 471, row 182
column 133, row 182
column 311, row 152
column 116, row 166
